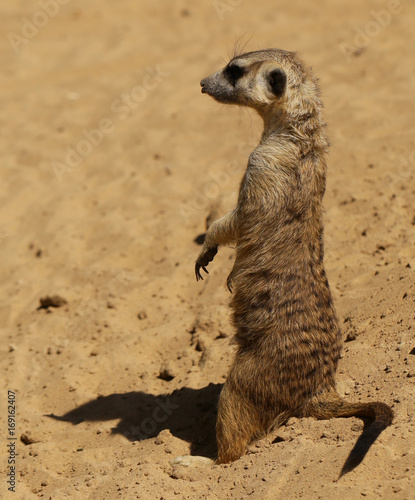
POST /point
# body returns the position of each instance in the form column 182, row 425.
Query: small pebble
column 167, row 372
column 51, row 301
column 164, row 436
column 27, row 438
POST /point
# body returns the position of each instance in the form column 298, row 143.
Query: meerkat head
column 264, row 79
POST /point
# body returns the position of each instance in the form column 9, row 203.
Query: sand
column 134, row 360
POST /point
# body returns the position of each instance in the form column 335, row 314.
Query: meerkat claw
column 198, row 273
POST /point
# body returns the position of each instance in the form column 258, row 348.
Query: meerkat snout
column 202, row 84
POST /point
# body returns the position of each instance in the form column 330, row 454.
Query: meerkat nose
column 202, row 84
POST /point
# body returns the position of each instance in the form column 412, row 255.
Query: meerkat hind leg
column 237, row 425
column 192, row 461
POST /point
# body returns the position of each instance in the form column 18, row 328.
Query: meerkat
column 288, row 340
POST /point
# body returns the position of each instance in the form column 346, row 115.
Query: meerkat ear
column 277, row 81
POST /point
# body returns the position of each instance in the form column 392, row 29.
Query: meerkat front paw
column 203, row 260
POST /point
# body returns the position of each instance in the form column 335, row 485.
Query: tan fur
column 287, row 334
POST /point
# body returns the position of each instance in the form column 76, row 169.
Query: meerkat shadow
column 189, row 414
column 200, row 239
column 370, row 433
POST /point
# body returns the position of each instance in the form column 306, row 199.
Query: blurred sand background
column 136, row 357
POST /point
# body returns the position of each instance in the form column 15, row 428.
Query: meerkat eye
column 277, row 80
column 234, row 73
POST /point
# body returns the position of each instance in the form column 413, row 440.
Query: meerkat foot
column 192, row 461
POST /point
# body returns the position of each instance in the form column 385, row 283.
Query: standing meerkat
column 287, row 334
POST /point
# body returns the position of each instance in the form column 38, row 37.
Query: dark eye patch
column 233, row 73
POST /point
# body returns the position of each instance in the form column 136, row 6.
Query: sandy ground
column 135, row 359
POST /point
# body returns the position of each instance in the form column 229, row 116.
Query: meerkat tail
column 335, row 406
column 324, row 408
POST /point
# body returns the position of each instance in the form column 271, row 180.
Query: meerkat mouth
column 204, row 84
column 219, row 94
